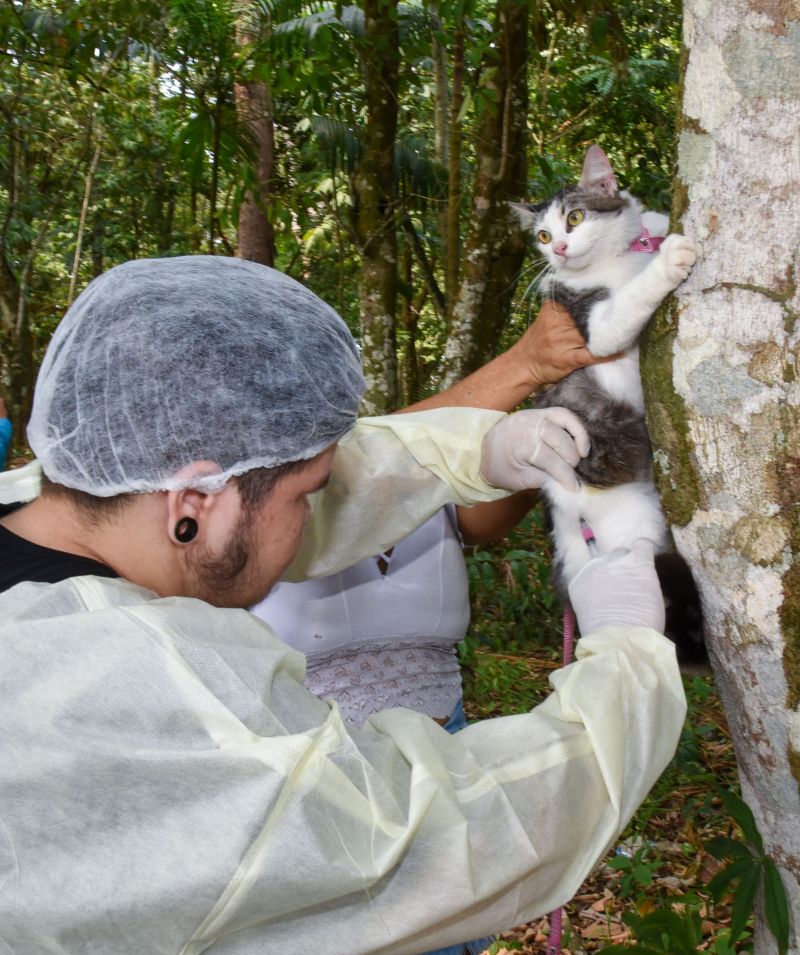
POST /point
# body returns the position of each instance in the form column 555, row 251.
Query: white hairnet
column 161, row 363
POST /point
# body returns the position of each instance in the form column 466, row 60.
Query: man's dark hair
column 254, row 486
column 94, row 510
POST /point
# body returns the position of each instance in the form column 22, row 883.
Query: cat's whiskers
column 532, row 289
column 536, row 282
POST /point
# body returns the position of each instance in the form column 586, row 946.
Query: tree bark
column 495, row 247
column 213, row 224
column 723, row 379
column 255, row 110
column 376, row 206
column 451, row 237
column 409, row 320
column 87, row 194
column 441, row 113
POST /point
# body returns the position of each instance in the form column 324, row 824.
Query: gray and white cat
column 610, row 266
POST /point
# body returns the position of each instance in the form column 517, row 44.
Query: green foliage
column 752, row 871
column 513, row 603
column 677, row 933
column 663, row 931
column 637, row 870
column 609, row 76
column 509, row 946
column 153, row 85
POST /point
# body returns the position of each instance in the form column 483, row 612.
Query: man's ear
column 188, row 509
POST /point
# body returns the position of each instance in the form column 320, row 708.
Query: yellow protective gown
column 168, row 785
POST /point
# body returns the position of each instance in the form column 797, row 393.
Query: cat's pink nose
column 560, row 248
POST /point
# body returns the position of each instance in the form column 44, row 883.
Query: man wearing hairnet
column 168, row 785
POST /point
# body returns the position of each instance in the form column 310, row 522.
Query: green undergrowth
column 513, row 605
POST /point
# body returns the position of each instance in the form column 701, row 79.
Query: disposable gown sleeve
column 169, row 786
column 390, row 474
column 21, row 484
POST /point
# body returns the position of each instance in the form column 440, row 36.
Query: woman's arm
column 550, row 349
column 488, row 522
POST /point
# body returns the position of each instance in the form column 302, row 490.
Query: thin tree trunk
column 408, row 319
column 452, row 234
column 441, row 141
column 441, row 84
column 87, row 193
column 255, row 110
column 495, row 247
column 164, row 193
column 722, row 373
column 213, row 226
column 376, row 206
column 425, row 267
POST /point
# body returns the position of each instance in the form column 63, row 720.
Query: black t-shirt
column 21, row 560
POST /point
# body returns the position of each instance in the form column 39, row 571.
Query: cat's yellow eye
column 543, row 236
column 576, row 217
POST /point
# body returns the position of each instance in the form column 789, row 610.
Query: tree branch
column 425, row 266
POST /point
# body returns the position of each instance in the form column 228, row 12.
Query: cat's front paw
column 678, row 255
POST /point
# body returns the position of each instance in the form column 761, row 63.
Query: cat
column 610, row 264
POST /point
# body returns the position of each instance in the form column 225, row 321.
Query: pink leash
column 557, row 916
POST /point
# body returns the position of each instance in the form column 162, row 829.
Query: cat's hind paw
column 678, row 255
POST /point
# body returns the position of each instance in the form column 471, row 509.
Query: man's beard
column 221, row 580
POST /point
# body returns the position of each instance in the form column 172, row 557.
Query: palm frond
column 350, row 19
column 419, row 176
column 340, row 144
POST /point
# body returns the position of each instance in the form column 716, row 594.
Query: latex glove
column 527, row 448
column 619, row 589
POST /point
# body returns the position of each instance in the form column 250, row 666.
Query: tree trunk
column 723, row 379
column 256, row 240
column 409, row 320
column 495, row 247
column 213, row 225
column 451, row 238
column 254, row 108
column 376, row 206
column 87, row 194
column 441, row 115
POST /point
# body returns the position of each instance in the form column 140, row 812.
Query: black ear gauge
column 186, row 530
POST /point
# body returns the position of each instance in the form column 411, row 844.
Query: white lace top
column 375, row 640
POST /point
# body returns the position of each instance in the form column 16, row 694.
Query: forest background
column 369, row 151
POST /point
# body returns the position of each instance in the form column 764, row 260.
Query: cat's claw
column 678, row 255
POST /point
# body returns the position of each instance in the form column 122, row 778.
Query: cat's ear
column 597, row 175
column 526, row 213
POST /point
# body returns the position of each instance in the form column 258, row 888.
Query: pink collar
column 646, row 243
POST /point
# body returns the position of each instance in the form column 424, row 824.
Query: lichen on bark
column 674, row 470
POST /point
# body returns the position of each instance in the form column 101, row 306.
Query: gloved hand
column 526, row 448
column 619, row 589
